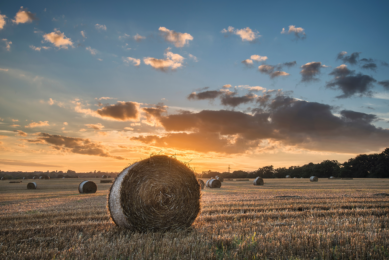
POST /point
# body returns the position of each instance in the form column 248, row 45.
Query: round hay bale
column 258, row 181
column 214, row 184
column 156, row 194
column 202, row 184
column 31, row 186
column 87, row 187
column 207, row 183
column 313, row 179
column 287, row 176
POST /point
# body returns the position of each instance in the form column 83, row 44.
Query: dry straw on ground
column 258, row 181
column 31, row 186
column 87, row 187
column 313, row 179
column 155, row 194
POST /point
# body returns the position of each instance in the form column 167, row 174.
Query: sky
column 96, row 85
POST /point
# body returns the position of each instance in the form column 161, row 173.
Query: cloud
column 230, row 99
column 153, row 113
column 65, row 123
column 15, row 120
column 246, row 34
column 83, row 34
column 35, row 48
column 352, row 59
column 385, row 84
column 371, row 66
column 2, row 21
column 193, row 57
column 1, row 69
column 24, row 16
column 289, row 64
column 25, row 163
column 248, row 62
column 271, row 70
column 100, row 27
column 7, row 44
column 310, row 70
column 227, row 86
column 40, row 123
column 121, row 111
column 97, row 126
column 177, row 38
column 58, row 39
column 172, row 61
column 297, row 31
column 258, row 58
column 104, row 98
column 350, row 84
column 50, row 102
column 75, row 145
column 210, row 94
column 252, row 88
column 92, row 51
column 139, row 38
column 283, row 120
column 20, row 132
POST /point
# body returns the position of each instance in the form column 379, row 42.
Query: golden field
column 284, row 219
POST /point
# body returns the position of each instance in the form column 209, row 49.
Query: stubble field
column 285, row 219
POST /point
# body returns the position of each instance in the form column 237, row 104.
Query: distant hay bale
column 156, row 194
column 44, row 177
column 347, row 178
column 287, row 176
column 15, row 181
column 106, row 181
column 31, row 186
column 219, row 178
column 202, row 184
column 87, row 187
column 214, row 184
column 207, row 183
column 313, row 179
column 104, row 176
column 258, row 181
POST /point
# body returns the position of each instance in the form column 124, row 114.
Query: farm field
column 284, row 219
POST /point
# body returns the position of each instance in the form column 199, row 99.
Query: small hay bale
column 87, row 187
column 31, row 186
column 104, row 176
column 44, row 177
column 106, row 181
column 347, row 178
column 219, row 178
column 202, row 184
column 214, row 184
column 287, row 176
column 156, row 194
column 258, row 181
column 313, row 179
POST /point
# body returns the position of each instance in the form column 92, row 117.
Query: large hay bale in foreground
column 31, row 186
column 201, row 183
column 214, row 184
column 258, row 181
column 87, row 187
column 313, row 179
column 106, row 181
column 156, row 194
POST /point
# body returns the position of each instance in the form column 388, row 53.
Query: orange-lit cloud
column 177, row 38
column 138, row 37
column 2, row 21
column 121, row 111
column 20, row 133
column 7, row 44
column 24, row 16
column 97, row 126
column 172, row 61
column 39, row 124
column 58, row 39
column 246, row 34
column 297, row 31
column 135, row 62
column 258, row 58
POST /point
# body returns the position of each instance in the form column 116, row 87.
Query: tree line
column 362, row 166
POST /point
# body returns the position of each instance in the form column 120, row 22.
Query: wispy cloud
column 83, row 34
column 101, row 27
column 92, row 51
column 135, row 62
column 139, row 38
column 7, row 44
column 297, row 31
column 246, row 34
column 39, row 124
column 177, row 38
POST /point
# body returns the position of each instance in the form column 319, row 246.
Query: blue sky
column 93, row 66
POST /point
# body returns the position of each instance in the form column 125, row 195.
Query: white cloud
column 24, row 16
column 174, row 57
column 298, row 31
column 136, row 62
column 193, row 57
column 2, row 21
column 246, row 34
column 7, row 44
column 92, row 51
column 58, row 39
column 227, row 86
column 101, row 27
column 138, row 37
column 40, row 123
column 35, row 48
column 252, row 88
column 83, row 34
column 177, row 38
column 247, row 62
column 258, row 58
column 172, row 61
column 381, row 95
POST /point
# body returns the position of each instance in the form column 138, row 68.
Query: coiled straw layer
column 156, row 194
column 87, row 187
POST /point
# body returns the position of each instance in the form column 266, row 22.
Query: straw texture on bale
column 258, row 181
column 214, row 184
column 106, row 181
column 155, row 194
column 31, row 186
column 313, row 179
column 202, row 184
column 87, row 187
